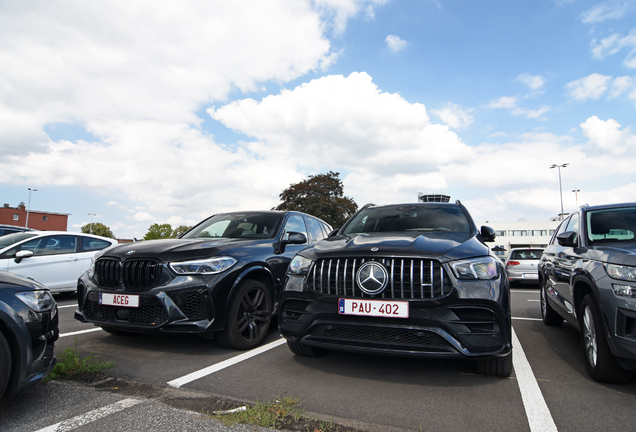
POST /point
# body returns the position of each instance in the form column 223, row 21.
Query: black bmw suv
column 222, row 278
column 410, row 279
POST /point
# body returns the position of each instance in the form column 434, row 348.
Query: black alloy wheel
column 5, row 364
column 549, row 315
column 248, row 317
column 599, row 360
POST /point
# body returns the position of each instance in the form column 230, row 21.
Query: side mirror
column 295, row 238
column 488, row 234
column 20, row 255
column 567, row 239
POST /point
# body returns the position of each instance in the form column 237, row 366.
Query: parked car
column 587, row 276
column 222, row 278
column 409, row 279
column 28, row 330
column 522, row 265
column 10, row 229
column 54, row 258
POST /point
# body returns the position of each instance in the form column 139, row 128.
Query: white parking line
column 229, row 362
column 526, row 319
column 537, row 411
column 91, row 416
column 80, row 332
column 537, row 300
column 66, row 306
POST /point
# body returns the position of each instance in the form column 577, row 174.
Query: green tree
column 157, row 231
column 321, row 195
column 99, row 229
column 180, row 230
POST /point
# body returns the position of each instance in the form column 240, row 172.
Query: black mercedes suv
column 409, row 279
column 222, row 278
column 587, row 276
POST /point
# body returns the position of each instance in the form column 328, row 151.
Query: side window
column 559, row 230
column 573, row 225
column 314, row 228
column 295, row 223
column 51, row 245
column 326, row 228
column 92, row 244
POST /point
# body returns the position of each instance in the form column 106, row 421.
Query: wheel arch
column 259, row 273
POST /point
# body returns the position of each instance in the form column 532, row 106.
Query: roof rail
column 368, row 205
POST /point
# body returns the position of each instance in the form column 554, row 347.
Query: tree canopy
column 99, row 229
column 164, row 231
column 321, row 195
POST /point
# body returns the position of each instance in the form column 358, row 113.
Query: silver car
column 522, row 265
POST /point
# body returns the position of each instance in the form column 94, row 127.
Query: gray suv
column 587, row 276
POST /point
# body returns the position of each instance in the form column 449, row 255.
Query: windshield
column 417, row 218
column 10, row 239
column 237, row 225
column 611, row 225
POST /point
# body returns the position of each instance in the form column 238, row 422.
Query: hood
column 622, row 254
column 7, row 278
column 441, row 246
column 177, row 249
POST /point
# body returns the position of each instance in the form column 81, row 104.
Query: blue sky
column 167, row 112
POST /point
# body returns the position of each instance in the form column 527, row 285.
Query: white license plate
column 124, row 300
column 531, row 276
column 378, row 308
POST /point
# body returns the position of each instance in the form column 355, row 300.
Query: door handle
column 71, row 259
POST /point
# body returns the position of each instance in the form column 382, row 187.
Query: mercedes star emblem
column 372, row 277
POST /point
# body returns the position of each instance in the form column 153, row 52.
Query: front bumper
column 176, row 308
column 448, row 327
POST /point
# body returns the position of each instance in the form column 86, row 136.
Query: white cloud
column 607, row 10
column 454, row 116
column 590, row 87
column 534, row 82
column 507, row 102
column 621, row 85
column 530, row 113
column 607, row 135
column 394, row 43
column 613, row 44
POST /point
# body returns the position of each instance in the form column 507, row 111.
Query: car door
column 564, row 261
column 54, row 262
column 295, row 223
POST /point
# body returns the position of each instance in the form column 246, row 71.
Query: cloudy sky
column 144, row 112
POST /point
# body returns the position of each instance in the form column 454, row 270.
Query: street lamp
column 26, row 225
column 560, row 189
column 90, row 227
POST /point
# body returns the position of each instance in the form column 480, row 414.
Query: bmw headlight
column 203, row 266
column 299, row 265
column 38, row 301
column 621, row 272
column 484, row 268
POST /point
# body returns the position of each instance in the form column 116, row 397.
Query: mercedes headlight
column 203, row 266
column 484, row 268
column 299, row 265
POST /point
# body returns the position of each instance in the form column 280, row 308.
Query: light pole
column 90, row 227
column 576, row 195
column 560, row 189
column 26, row 225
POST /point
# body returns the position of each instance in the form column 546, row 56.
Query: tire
column 599, row 360
column 500, row 367
column 248, row 317
column 549, row 315
column 5, row 364
column 305, row 350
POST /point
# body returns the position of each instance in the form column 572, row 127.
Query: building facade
column 511, row 235
column 39, row 220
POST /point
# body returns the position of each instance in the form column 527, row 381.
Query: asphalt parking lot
column 549, row 389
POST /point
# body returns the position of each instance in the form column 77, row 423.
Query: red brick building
column 45, row 221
